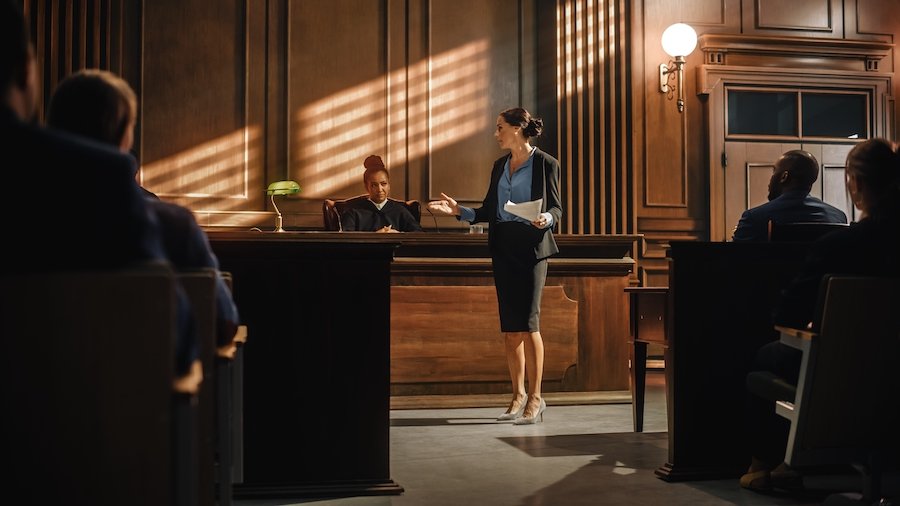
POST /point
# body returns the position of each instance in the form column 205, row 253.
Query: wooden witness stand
column 342, row 320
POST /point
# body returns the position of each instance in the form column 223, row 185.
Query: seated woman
column 378, row 213
column 103, row 107
column 867, row 247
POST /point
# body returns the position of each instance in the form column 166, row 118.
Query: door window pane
column 762, row 113
column 835, row 115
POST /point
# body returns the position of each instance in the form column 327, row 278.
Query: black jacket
column 544, row 185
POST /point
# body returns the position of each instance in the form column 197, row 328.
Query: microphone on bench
column 436, row 229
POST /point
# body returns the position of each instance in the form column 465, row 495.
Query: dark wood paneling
column 668, row 183
column 819, row 18
column 872, row 19
column 198, row 145
column 475, row 72
column 593, row 116
column 425, row 350
column 78, row 34
column 337, row 93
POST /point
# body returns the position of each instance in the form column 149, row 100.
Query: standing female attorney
column 519, row 250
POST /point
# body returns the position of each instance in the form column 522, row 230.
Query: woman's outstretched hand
column 445, row 206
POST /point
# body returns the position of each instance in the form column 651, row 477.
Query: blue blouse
column 511, row 187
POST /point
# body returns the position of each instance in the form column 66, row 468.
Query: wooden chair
column 846, row 408
column 801, row 232
column 333, row 209
column 220, row 396
column 234, row 360
column 200, row 286
column 87, row 383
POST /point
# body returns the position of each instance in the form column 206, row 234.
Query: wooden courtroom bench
column 721, row 297
column 218, row 428
column 90, row 411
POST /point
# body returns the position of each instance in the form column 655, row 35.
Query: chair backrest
column 801, row 232
column 333, row 208
column 847, row 405
column 87, row 374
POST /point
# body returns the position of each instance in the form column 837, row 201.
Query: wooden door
column 748, row 167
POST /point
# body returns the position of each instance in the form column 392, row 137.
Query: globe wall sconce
column 678, row 41
column 281, row 188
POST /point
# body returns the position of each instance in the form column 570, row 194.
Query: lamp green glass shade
column 283, row 188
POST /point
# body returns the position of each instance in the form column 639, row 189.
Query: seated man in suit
column 865, row 248
column 378, row 213
column 101, row 106
column 98, row 219
column 789, row 199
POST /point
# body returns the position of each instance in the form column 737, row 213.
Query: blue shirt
column 511, row 187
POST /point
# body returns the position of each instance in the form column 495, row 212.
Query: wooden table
column 649, row 315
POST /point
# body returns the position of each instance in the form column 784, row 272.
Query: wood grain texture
column 441, row 334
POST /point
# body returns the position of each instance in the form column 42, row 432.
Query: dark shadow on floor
column 434, row 422
column 649, row 448
column 623, row 473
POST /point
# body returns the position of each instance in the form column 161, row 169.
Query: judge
column 378, row 213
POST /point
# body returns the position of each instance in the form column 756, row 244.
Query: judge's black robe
column 363, row 216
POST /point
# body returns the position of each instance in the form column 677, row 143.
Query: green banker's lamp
column 281, row 188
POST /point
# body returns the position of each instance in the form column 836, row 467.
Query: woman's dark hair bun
column 534, row 128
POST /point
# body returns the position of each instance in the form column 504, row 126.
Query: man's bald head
column 795, row 170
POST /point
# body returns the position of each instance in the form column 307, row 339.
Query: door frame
column 713, row 80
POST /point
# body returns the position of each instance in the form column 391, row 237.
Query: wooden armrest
column 241, row 335
column 796, row 338
column 798, row 333
column 240, row 338
column 190, row 382
column 227, row 351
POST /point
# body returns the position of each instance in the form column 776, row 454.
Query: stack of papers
column 528, row 210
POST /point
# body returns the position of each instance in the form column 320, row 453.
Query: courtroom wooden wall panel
column 201, row 144
column 70, row 36
column 475, row 72
column 871, row 19
column 337, row 90
column 593, row 118
column 817, row 18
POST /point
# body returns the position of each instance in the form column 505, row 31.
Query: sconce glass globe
column 679, row 40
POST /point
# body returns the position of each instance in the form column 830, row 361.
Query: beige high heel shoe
column 512, row 415
column 538, row 415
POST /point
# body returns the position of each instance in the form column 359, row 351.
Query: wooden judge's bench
column 342, row 321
